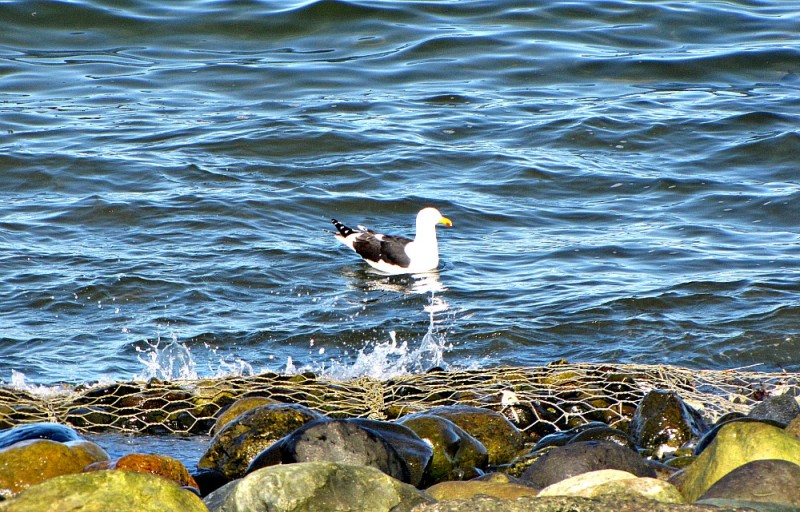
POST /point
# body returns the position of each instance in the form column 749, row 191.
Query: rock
column 663, row 423
column 574, row 485
column 565, row 504
column 208, row 480
column 344, row 441
column 498, row 478
column 706, row 440
column 612, row 482
column 736, row 444
column 316, row 487
column 416, row 453
column 456, row 454
column 793, row 428
column 782, row 408
column 503, row 441
column 604, row 433
column 237, row 408
column 101, row 491
column 33, row 461
column 773, row 481
column 721, row 505
column 562, row 437
column 576, row 458
column 447, row 491
column 240, row 440
column 51, row 431
column 161, row 465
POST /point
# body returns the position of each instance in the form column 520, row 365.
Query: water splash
column 20, row 383
column 395, row 357
column 172, row 359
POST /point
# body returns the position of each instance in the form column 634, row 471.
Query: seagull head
column 431, row 217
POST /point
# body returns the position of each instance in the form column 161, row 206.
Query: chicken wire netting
column 537, row 399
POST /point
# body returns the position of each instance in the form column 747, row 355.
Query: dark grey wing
column 390, row 249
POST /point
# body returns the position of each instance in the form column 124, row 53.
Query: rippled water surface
column 623, row 178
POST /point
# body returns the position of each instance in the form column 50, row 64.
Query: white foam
column 171, row 359
column 19, row 382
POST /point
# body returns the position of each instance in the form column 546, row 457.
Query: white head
column 431, row 217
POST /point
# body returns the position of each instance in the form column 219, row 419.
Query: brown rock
column 161, row 465
column 31, row 462
column 456, row 454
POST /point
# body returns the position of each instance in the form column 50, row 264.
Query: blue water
column 623, row 178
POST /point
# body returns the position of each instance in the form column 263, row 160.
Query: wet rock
column 782, row 408
column 612, row 482
column 100, row 491
column 161, row 465
column 772, row 481
column 447, row 491
column 247, row 435
column 663, row 423
column 51, row 431
column 208, row 480
column 416, row 453
column 736, row 444
column 392, row 448
column 604, row 433
column 33, row 461
column 530, row 417
column 573, row 459
column 562, row 437
column 456, row 454
column 503, row 441
column 237, row 408
column 317, row 487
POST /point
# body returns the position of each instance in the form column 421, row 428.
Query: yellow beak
column 446, row 221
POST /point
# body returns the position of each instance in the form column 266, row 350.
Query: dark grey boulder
column 577, row 458
column 51, row 431
column 770, row 480
column 782, row 408
column 394, row 449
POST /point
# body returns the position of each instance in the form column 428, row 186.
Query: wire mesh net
column 539, row 400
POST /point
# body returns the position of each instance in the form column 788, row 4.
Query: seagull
column 395, row 254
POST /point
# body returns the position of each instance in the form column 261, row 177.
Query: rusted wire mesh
column 538, row 399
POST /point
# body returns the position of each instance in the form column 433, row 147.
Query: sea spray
column 172, row 359
column 394, row 357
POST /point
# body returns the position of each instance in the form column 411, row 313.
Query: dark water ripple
column 622, row 175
